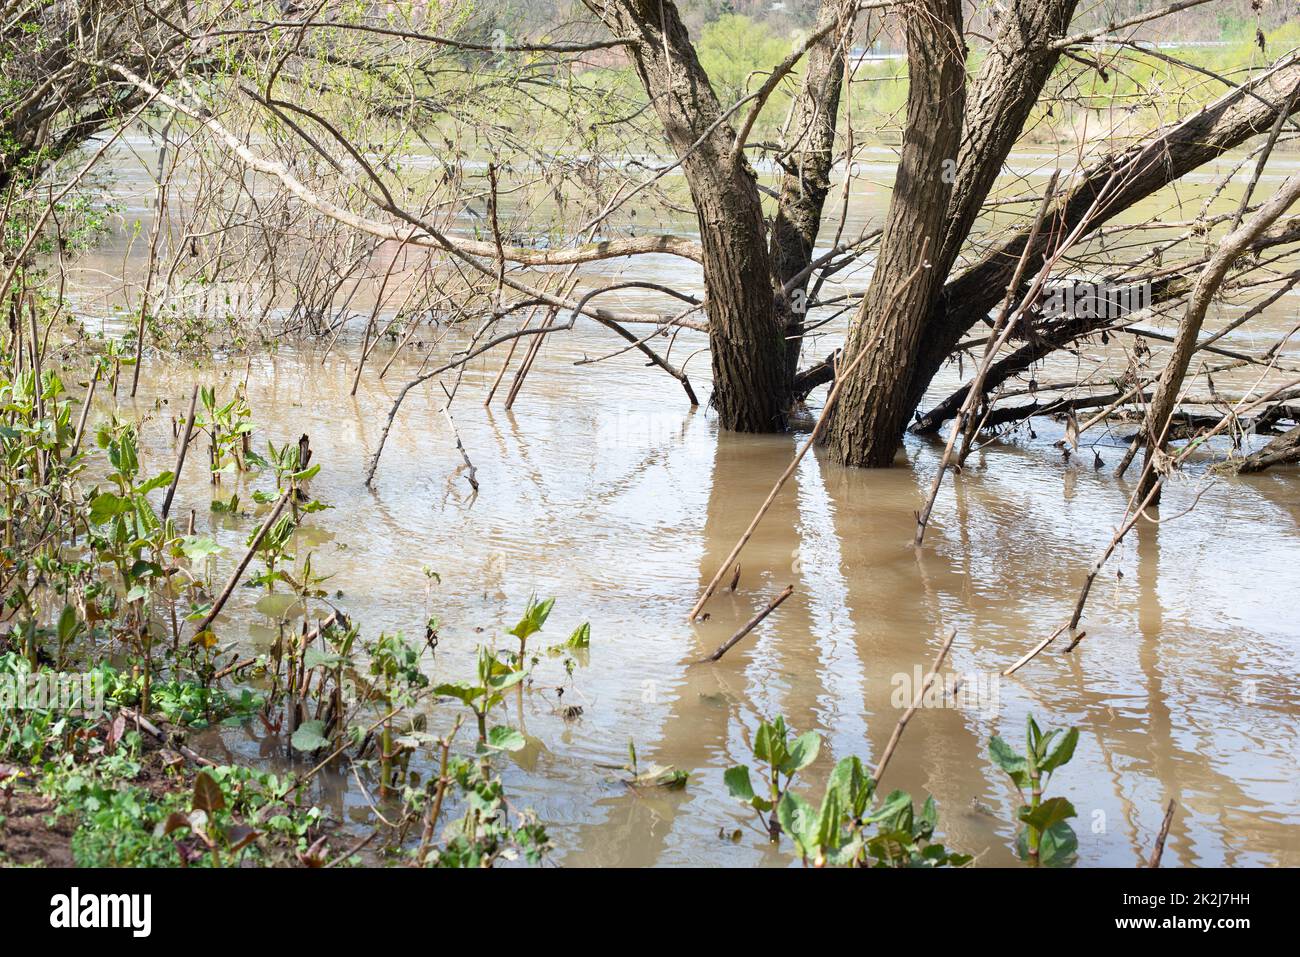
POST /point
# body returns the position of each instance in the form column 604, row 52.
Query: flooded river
column 604, row 489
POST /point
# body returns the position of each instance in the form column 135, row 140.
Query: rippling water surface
column 604, row 489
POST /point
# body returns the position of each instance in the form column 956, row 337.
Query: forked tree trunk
column 866, row 425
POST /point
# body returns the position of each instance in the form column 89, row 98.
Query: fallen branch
column 145, row 724
column 750, row 625
column 180, row 454
column 243, row 563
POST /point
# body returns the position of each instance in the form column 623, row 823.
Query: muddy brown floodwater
column 604, row 489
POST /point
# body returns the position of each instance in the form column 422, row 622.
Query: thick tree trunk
column 1018, row 64
column 866, row 425
column 750, row 382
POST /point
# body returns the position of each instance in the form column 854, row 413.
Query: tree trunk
column 867, row 423
column 750, row 382
column 807, row 160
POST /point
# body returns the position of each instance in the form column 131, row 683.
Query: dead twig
column 180, row 454
column 750, row 625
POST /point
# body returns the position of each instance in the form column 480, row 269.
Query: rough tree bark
column 866, row 425
column 746, row 339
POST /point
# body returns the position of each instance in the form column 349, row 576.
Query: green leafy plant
column 132, row 537
column 228, row 426
column 848, row 829
column 535, row 615
column 782, row 759
column 395, row 662
column 494, row 678
column 1045, row 836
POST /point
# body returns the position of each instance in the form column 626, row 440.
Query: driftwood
column 1282, row 450
column 145, row 724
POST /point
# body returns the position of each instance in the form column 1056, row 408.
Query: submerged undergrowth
column 108, row 597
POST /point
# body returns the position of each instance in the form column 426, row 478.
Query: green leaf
column 198, row 547
column 894, row 813
column 534, row 618
column 738, row 783
column 508, row 680
column 581, row 637
column 798, row 819
column 1047, row 814
column 106, row 505
column 462, row 691
column 855, row 786
column 310, row 736
column 505, row 739
column 69, row 626
column 829, row 819
column 1062, row 753
column 1044, row 743
column 313, row 658
column 1009, row 761
column 769, row 742
column 158, row 481
column 803, row 752
column 1058, row 845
